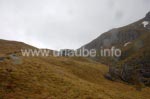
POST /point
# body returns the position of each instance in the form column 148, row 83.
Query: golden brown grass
column 61, row 78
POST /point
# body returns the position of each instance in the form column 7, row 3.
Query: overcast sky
column 57, row 24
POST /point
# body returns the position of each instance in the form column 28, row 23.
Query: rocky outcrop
column 113, row 73
column 126, row 73
column 147, row 17
column 129, row 74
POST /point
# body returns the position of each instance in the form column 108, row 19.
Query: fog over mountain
column 58, row 24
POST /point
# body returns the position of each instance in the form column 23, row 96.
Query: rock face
column 129, row 74
column 145, row 74
column 126, row 73
column 147, row 17
column 117, row 36
column 134, row 63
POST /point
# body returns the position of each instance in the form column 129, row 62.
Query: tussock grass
column 61, row 78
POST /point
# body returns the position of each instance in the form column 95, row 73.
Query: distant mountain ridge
column 120, row 36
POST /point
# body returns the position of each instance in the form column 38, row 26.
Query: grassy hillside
column 61, row 78
column 7, row 47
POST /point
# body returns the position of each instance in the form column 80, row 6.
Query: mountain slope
column 7, row 47
column 133, row 66
column 60, row 78
column 120, row 36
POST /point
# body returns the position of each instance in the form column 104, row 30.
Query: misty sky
column 58, row 24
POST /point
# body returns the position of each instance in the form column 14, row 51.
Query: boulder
column 16, row 59
column 109, row 77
